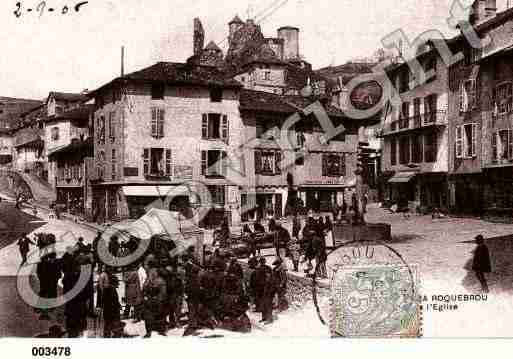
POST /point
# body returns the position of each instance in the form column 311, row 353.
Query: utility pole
column 122, row 61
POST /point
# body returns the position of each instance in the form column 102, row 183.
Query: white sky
column 82, row 50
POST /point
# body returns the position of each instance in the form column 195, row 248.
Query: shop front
column 402, row 188
column 498, row 192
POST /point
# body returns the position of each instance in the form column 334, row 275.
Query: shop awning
column 402, row 177
column 155, row 191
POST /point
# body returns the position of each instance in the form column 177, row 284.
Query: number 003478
column 51, row 351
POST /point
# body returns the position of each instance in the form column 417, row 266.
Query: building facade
column 415, row 135
column 160, row 130
column 479, row 117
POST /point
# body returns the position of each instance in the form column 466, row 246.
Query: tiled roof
column 66, row 96
column 212, row 46
column 80, row 113
column 267, row 102
column 178, row 73
column 85, row 148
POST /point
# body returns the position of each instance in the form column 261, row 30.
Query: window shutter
column 343, row 165
column 510, row 144
column 112, row 129
column 474, row 139
column 154, row 122
column 168, row 162
column 324, row 165
column 204, row 163
column 258, row 162
column 224, row 163
column 461, row 96
column 146, row 161
column 472, row 95
column 495, row 153
column 278, row 162
column 225, row 129
column 160, row 122
column 204, row 126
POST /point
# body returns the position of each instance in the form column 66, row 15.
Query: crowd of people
column 165, row 292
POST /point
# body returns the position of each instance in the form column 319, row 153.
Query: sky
column 81, row 50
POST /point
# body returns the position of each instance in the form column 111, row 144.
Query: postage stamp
column 375, row 301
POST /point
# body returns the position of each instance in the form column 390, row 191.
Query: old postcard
column 256, row 169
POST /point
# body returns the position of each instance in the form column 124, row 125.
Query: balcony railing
column 434, row 118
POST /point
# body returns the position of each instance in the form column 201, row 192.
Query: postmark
column 373, row 293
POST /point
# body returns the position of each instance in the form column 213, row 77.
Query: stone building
column 318, row 174
column 480, row 117
column 61, row 129
column 158, row 131
column 10, row 112
column 415, row 134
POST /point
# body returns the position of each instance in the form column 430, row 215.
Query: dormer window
column 157, row 91
column 216, row 94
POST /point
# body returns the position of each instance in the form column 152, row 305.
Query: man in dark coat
column 110, row 302
column 235, row 268
column 319, row 248
column 175, row 291
column 155, row 300
column 280, row 284
column 481, row 263
column 192, row 291
column 48, row 273
column 24, row 244
column 264, row 291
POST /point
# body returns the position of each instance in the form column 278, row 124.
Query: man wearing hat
column 263, row 291
column 481, row 263
column 280, row 284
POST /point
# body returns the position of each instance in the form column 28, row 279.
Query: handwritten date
column 42, row 6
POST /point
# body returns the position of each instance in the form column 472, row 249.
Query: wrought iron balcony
column 434, row 118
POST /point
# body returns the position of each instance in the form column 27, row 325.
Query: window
column 504, row 98
column 416, row 112
column 157, row 122
column 267, row 75
column 404, row 150
column 416, row 149
column 466, row 140
column 333, row 165
column 114, row 164
column 467, row 96
column 55, row 134
column 502, row 145
column 430, row 108
column 157, row 91
column 218, row 194
column 215, row 127
column 216, row 94
column 430, row 147
column 101, row 164
column 267, row 162
column 112, row 126
column 405, row 115
column 404, row 81
column 213, row 163
column 156, row 162
column 393, row 152
column 101, row 130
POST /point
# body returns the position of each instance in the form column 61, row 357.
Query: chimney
column 198, row 37
column 290, row 37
